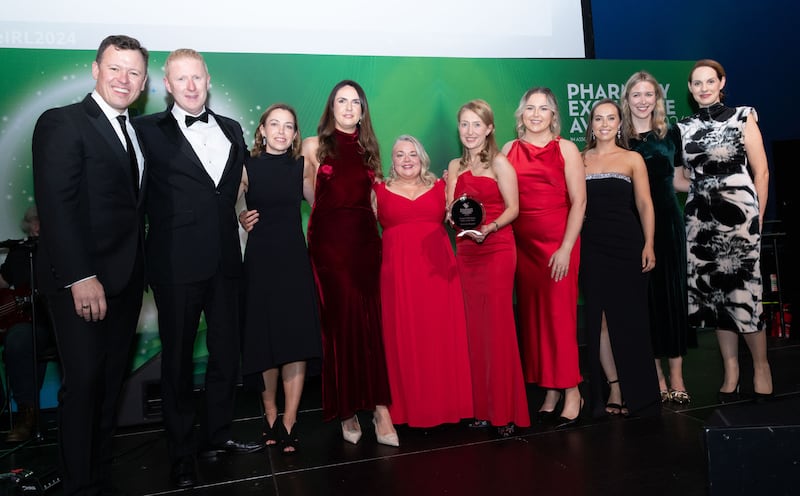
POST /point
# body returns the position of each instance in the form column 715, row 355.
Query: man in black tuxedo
column 88, row 174
column 195, row 160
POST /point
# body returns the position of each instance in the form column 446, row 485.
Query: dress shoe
column 390, row 439
column 232, row 446
column 351, row 435
column 183, row 472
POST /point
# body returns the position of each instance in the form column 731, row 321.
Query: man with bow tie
column 195, row 160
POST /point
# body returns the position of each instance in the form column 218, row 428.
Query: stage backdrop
column 413, row 95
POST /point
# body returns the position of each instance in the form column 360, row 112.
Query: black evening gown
column 613, row 283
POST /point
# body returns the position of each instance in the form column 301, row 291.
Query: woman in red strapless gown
column 345, row 250
column 486, row 263
column 552, row 199
column 424, row 327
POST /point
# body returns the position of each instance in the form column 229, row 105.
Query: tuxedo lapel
column 169, row 126
column 234, row 152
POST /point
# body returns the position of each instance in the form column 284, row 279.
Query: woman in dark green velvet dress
column 648, row 133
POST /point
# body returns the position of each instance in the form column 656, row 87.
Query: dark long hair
column 366, row 134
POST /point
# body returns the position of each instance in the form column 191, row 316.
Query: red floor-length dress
column 487, row 277
column 547, row 310
column 345, row 250
column 424, row 327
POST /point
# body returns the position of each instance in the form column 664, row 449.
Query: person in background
column 645, row 126
column 424, row 328
column 547, row 231
column 345, row 250
column 195, row 159
column 486, row 263
column 89, row 179
column 616, row 256
column 18, row 341
column 281, row 321
column 724, row 158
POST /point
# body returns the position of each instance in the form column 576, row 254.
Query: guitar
column 15, row 307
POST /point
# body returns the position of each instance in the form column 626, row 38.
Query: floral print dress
column 722, row 229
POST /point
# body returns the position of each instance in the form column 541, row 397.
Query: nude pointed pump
column 351, row 436
column 390, row 439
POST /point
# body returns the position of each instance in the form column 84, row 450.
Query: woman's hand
column 247, row 219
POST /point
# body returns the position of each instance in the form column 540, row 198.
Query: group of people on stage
column 404, row 328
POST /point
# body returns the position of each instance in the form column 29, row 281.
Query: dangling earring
column 619, row 133
column 264, row 141
column 592, row 134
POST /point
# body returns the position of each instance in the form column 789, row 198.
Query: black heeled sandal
column 269, row 436
column 288, row 440
column 724, row 397
column 614, row 409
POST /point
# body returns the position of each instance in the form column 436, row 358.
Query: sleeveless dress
column 722, row 230
column 487, row 278
column 669, row 328
column 345, row 250
column 424, row 328
column 547, row 310
column 281, row 323
column 613, row 283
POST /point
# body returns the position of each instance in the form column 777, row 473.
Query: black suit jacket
column 92, row 219
column 193, row 231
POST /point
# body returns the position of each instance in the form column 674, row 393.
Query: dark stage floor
column 614, row 456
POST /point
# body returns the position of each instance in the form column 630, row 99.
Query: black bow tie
column 191, row 120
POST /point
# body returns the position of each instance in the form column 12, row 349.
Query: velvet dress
column 547, row 310
column 487, row 278
column 669, row 328
column 424, row 327
column 345, row 250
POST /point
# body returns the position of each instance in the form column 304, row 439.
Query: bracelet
column 496, row 226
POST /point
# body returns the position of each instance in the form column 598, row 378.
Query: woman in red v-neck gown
column 424, row 328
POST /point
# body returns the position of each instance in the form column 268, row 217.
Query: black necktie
column 191, row 120
column 131, row 153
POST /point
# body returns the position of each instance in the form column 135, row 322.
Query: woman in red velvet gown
column 345, row 250
column 424, row 327
column 486, row 263
column 552, row 199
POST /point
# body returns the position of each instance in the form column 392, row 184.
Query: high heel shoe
column 390, row 439
column 288, row 439
column 269, row 436
column 566, row 423
column 730, row 397
column 614, row 408
column 351, row 436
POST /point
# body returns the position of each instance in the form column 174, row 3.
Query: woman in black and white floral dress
column 724, row 214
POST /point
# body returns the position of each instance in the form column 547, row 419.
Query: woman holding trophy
column 483, row 199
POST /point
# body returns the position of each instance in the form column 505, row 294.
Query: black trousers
column 95, row 359
column 179, row 310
